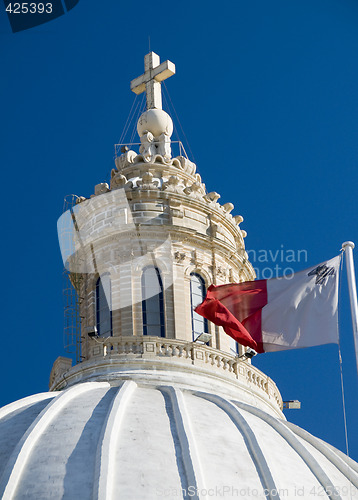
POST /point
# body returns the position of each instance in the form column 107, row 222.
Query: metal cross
column 150, row 81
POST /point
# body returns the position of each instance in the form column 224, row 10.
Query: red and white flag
column 298, row 310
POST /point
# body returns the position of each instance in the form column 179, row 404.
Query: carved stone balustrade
column 148, row 357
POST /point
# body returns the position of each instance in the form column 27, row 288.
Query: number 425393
column 29, row 8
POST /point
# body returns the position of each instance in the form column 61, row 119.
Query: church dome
column 160, row 402
column 146, row 437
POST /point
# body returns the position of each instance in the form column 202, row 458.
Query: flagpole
column 348, row 248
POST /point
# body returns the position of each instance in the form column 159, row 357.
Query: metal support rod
column 348, row 248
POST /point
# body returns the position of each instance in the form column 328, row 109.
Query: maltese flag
column 298, row 310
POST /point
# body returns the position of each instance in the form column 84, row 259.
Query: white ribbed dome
column 149, row 441
column 145, row 416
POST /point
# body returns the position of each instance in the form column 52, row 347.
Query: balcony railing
column 191, row 353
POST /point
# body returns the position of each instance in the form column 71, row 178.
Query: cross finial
column 150, row 81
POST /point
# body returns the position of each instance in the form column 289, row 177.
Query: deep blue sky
column 267, row 94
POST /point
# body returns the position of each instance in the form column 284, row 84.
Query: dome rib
column 189, row 451
column 22, row 403
column 107, row 444
column 253, row 446
column 97, row 441
column 330, row 454
column 348, row 460
column 291, row 439
column 15, row 420
column 18, row 459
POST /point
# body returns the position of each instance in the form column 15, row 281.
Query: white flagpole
column 348, row 248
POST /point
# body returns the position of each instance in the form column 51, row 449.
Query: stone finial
column 59, row 368
column 238, row 219
column 118, row 181
column 155, row 126
column 228, row 207
column 125, row 159
column 172, row 184
column 213, row 196
column 147, row 148
column 188, row 166
column 152, row 144
column 101, row 188
column 80, row 199
column 196, row 190
column 163, row 146
column 147, row 181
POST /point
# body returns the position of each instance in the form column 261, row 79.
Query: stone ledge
column 116, row 355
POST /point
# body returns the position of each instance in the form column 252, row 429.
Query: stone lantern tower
column 146, row 247
column 162, row 404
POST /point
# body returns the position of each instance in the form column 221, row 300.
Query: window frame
column 161, row 310
column 101, row 309
column 203, row 320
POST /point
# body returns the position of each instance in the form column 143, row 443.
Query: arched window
column 152, row 302
column 197, row 295
column 104, row 306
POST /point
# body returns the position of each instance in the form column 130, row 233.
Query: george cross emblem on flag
column 322, row 272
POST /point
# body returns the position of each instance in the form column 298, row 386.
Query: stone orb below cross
column 155, row 121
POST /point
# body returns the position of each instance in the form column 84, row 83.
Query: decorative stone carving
column 174, row 207
column 172, row 185
column 196, row 190
column 147, row 181
column 118, row 181
column 231, row 275
column 59, row 368
column 221, row 272
column 125, row 159
column 188, row 166
column 175, row 162
column 179, row 214
column 147, row 148
column 174, row 203
column 241, row 272
column 213, row 229
column 198, row 260
column 194, row 258
column 243, row 233
column 179, row 256
column 80, row 199
column 238, row 219
column 101, row 188
column 163, row 147
column 198, row 178
column 212, row 197
column 153, row 148
column 228, row 207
